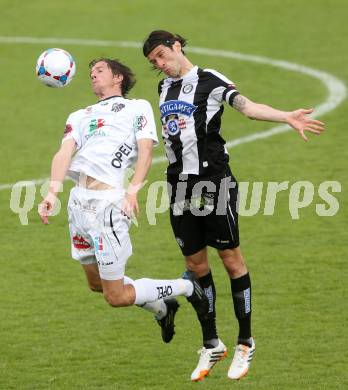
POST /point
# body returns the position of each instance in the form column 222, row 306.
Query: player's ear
column 118, row 78
column 177, row 47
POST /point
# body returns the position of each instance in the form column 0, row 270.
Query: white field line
column 336, row 89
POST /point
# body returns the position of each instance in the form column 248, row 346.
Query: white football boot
column 207, row 360
column 241, row 360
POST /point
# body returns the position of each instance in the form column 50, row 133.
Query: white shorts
column 99, row 232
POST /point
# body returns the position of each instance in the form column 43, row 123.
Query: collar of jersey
column 110, row 97
column 189, row 74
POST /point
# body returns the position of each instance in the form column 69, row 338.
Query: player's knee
column 198, row 264
column 233, row 262
column 235, row 268
column 115, row 300
column 95, row 287
column 198, row 268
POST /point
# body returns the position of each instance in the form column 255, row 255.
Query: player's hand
column 130, row 205
column 45, row 208
column 300, row 121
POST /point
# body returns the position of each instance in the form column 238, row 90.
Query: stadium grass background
column 54, row 333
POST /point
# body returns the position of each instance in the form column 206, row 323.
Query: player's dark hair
column 117, row 67
column 162, row 37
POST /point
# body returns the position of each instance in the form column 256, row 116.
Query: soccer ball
column 55, row 68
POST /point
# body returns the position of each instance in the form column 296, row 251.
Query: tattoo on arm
column 239, row 103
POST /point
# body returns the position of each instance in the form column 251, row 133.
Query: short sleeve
column 144, row 122
column 72, row 129
column 159, row 88
column 223, row 89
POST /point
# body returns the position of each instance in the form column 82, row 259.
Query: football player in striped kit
column 203, row 191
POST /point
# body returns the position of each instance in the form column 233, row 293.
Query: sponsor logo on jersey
column 80, row 242
column 140, row 122
column 170, row 115
column 116, row 107
column 181, row 124
column 187, row 88
column 173, row 126
column 177, row 107
column 123, row 151
column 96, row 124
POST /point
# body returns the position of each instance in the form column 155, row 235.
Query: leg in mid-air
column 92, row 275
column 213, row 349
column 241, row 296
column 89, row 246
column 141, row 291
column 163, row 309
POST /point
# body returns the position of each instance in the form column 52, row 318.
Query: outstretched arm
column 60, row 165
column 298, row 119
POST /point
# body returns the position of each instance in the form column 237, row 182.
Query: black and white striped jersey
column 191, row 108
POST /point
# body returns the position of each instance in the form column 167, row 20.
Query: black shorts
column 203, row 211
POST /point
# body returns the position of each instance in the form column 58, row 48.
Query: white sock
column 150, row 290
column 159, row 308
column 128, row 280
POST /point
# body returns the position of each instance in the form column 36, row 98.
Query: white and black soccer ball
column 55, row 68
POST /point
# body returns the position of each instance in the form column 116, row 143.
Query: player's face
column 102, row 78
column 167, row 59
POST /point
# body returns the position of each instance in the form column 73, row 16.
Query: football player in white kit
column 100, row 142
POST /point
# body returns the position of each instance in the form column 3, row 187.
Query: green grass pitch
column 54, row 333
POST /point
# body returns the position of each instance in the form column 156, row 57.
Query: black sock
column 241, row 294
column 208, row 321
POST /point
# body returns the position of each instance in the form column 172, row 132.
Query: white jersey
column 106, row 136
